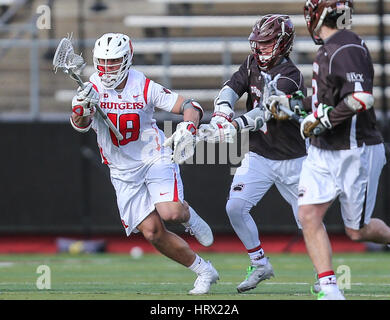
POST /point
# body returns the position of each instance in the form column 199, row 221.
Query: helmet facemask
column 264, row 53
column 112, row 74
column 112, row 58
column 271, row 40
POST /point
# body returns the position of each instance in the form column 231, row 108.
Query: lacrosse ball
column 136, row 252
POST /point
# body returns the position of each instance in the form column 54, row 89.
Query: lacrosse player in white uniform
column 148, row 186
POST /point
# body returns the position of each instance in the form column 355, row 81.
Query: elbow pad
column 359, row 101
column 191, row 103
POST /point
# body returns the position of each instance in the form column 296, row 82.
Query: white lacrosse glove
column 222, row 113
column 183, row 140
column 83, row 104
column 217, row 133
column 317, row 122
column 252, row 120
column 220, row 129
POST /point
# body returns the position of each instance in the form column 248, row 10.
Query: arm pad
column 224, row 103
column 191, row 103
column 226, row 96
column 359, row 101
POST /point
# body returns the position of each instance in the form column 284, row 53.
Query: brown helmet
column 315, row 12
column 272, row 27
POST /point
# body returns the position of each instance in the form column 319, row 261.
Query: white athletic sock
column 199, row 265
column 257, row 256
column 328, row 281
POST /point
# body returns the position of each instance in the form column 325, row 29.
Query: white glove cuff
column 79, row 128
column 223, row 110
column 322, row 114
column 81, row 107
column 187, row 126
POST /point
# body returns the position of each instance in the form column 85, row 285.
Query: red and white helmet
column 276, row 27
column 112, row 46
column 315, row 12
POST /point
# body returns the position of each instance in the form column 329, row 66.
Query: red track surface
column 222, row 243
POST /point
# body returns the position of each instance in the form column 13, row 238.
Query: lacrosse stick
column 270, row 84
column 71, row 64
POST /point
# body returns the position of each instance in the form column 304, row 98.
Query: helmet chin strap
column 109, row 80
column 320, row 22
column 265, row 58
column 274, row 63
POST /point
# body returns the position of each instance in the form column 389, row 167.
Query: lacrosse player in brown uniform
column 345, row 160
column 276, row 150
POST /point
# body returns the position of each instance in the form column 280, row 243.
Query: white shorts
column 257, row 174
column 352, row 175
column 159, row 182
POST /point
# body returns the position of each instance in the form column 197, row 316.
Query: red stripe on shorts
column 175, row 192
column 105, row 161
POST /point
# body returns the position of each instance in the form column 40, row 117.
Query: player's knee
column 307, row 215
column 232, row 208
column 172, row 213
column 235, row 208
column 153, row 234
column 175, row 216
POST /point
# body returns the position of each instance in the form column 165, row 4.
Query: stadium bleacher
column 192, row 46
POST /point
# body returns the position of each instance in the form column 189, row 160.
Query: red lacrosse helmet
column 272, row 38
column 315, row 11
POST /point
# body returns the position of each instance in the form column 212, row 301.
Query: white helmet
column 112, row 46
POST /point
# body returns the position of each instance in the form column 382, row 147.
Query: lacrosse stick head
column 66, row 59
column 270, row 85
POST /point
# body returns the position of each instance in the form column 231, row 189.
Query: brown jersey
column 278, row 140
column 342, row 66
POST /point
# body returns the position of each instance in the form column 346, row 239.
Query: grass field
column 118, row 277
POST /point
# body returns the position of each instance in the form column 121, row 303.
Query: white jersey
column 131, row 111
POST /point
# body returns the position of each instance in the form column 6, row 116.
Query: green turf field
column 114, row 276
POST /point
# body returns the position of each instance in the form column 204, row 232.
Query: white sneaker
column 331, row 295
column 200, row 229
column 205, row 280
column 256, row 274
